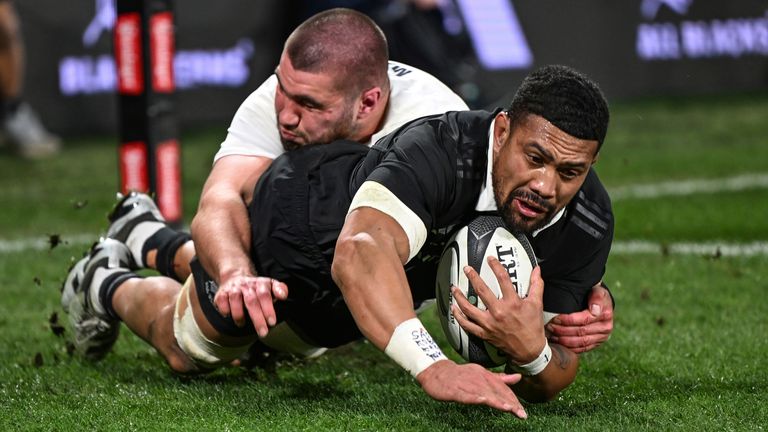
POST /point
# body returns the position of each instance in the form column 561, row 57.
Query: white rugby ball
column 471, row 246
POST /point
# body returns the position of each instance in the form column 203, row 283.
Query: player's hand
column 585, row 330
column 471, row 384
column 512, row 324
column 253, row 295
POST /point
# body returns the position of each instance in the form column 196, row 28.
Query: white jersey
column 414, row 93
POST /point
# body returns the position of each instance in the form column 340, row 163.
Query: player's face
column 309, row 109
column 537, row 169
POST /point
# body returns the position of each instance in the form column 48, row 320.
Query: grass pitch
column 687, row 353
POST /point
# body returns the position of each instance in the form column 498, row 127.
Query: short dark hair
column 567, row 99
column 344, row 42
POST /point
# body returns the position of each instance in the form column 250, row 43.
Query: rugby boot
column 95, row 330
column 130, row 211
column 133, row 220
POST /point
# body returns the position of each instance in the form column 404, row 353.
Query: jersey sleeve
column 253, row 131
column 580, row 260
column 412, row 183
column 568, row 293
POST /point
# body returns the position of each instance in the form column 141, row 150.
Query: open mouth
column 528, row 208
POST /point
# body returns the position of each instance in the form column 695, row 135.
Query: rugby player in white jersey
column 322, row 91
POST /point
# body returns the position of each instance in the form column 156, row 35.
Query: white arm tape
column 412, row 347
column 375, row 195
column 535, row 367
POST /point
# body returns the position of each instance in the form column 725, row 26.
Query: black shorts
column 298, row 210
column 296, row 215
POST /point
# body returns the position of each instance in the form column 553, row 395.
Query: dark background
column 631, row 54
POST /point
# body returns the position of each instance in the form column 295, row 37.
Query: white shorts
column 208, row 354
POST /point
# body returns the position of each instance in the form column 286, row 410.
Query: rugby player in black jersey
column 388, row 208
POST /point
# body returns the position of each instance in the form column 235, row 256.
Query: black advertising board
column 225, row 49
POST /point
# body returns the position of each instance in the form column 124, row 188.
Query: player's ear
column 501, row 130
column 369, row 100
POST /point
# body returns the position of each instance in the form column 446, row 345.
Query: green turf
column 688, row 350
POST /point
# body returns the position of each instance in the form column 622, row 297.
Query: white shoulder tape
column 375, row 195
column 412, row 347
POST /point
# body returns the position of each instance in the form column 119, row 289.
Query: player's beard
column 518, row 222
column 342, row 129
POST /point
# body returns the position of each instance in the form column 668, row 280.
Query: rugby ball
column 471, row 246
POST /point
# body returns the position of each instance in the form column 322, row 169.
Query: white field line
column 654, row 190
column 43, row 243
column 688, row 248
column 690, row 187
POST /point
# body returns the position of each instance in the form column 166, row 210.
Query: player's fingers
column 466, row 324
column 236, row 307
column 536, row 287
column 221, row 300
column 584, row 349
column 598, row 328
column 264, row 294
column 279, row 290
column 253, row 307
column 511, row 405
column 579, row 343
column 481, row 289
column 600, row 295
column 257, row 319
column 468, row 309
column 505, row 399
column 508, row 289
column 581, row 318
column 510, row 379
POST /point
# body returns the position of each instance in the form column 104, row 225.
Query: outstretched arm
column 368, row 267
column 222, row 234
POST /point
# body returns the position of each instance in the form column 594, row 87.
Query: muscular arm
column 221, row 231
column 368, row 267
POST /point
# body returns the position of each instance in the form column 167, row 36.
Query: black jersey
column 437, row 167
